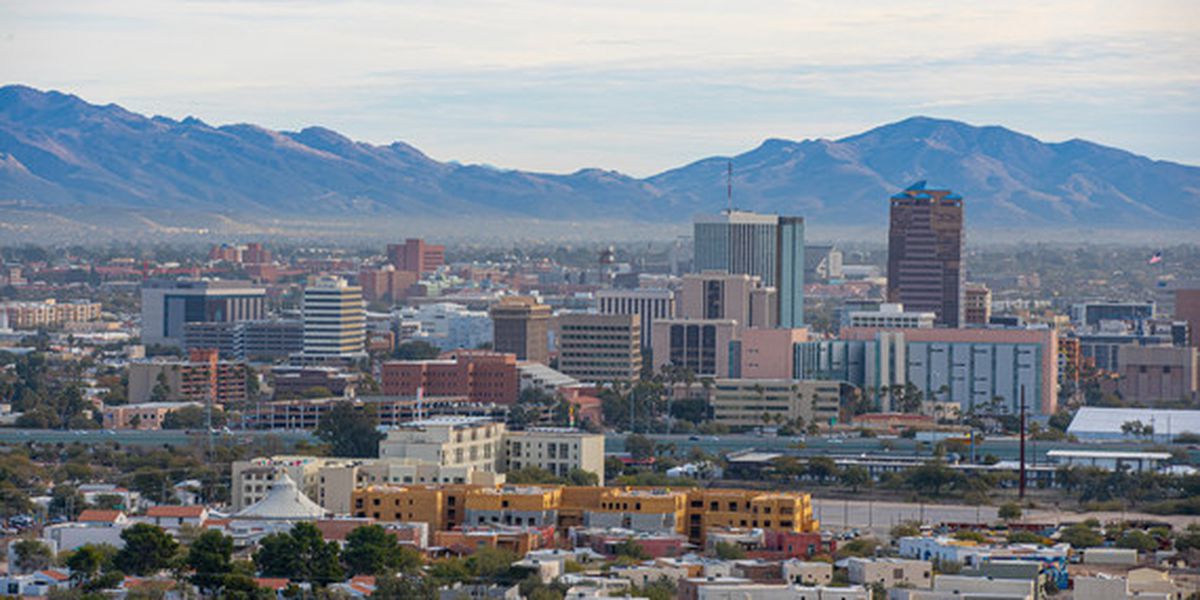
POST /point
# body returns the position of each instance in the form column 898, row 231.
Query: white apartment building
column 448, row 441
column 892, row 316
column 555, row 449
column 447, row 325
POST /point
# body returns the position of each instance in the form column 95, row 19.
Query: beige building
column 147, row 415
column 891, row 572
column 1152, row 375
column 555, row 449
column 252, row 479
column 1142, row 584
column 49, row 312
column 718, row 295
column 448, row 441
column 701, row 346
column 200, row 378
column 977, row 304
column 758, row 402
column 600, row 348
column 336, row 482
column 806, row 572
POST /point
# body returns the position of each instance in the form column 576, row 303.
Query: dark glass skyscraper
column 925, row 253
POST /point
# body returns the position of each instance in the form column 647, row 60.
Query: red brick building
column 387, row 284
column 417, row 256
column 480, row 375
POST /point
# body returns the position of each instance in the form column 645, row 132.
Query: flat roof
column 1090, row 419
column 1109, row 454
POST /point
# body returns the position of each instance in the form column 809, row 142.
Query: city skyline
column 621, row 86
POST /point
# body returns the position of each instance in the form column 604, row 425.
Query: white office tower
column 334, row 319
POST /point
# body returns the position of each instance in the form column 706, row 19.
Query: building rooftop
column 1091, row 419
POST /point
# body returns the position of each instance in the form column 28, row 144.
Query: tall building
column 520, row 325
column 767, row 246
column 720, row 295
column 202, row 378
column 600, row 348
column 1090, row 314
column 978, row 304
column 1187, row 308
column 415, row 255
column 647, row 303
column 334, row 320
column 447, row 325
column 168, row 305
column 925, row 253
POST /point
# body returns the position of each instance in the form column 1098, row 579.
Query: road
column 140, row 438
column 1002, row 448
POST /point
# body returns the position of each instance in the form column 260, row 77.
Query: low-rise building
column 481, row 376
column 890, row 572
column 762, row 402
column 203, row 377
column 143, row 416
column 49, row 312
column 448, row 441
column 558, row 450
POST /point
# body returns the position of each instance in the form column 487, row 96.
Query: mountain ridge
column 57, row 151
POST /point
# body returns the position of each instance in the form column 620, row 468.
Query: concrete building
column 448, row 325
column 1137, row 462
column 168, row 305
column 765, row 353
column 649, row 304
column 925, row 253
column 555, row 449
column 480, row 375
column 448, row 441
column 892, row 316
column 600, row 348
column 1150, row 375
column 1093, row 313
column 961, row 587
column 770, row 247
column 334, row 320
column 970, row 367
column 770, row 402
column 338, row 480
column 386, row 284
column 822, row 262
column 521, row 327
column 202, row 378
column 701, row 345
column 890, row 572
column 246, row 340
column 251, row 480
column 978, row 305
column 737, row 297
column 1138, row 584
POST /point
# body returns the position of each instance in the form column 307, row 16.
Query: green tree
column 855, row 476
column 109, row 502
column 490, row 564
column 728, row 551
column 210, row 557
column 66, row 501
column 404, row 587
column 88, row 560
column 932, row 478
column 371, row 550
column 301, row 554
column 631, row 549
column 32, row 555
column 581, row 478
column 1080, row 536
column 162, row 388
column 1009, row 511
column 416, row 350
column 639, row 446
column 148, row 550
column 192, row 417
column 1137, row 540
column 821, row 468
column 351, row 432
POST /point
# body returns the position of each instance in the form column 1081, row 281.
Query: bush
column 1009, row 511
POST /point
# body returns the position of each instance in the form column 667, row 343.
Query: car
column 693, row 438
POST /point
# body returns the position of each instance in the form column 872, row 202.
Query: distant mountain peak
column 60, row 151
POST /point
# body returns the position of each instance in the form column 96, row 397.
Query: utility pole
column 1021, row 493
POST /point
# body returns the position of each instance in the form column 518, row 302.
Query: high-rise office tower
column 417, row 256
column 168, row 305
column 925, row 253
column 647, row 303
column 768, row 246
column 600, row 348
column 335, row 321
column 520, row 325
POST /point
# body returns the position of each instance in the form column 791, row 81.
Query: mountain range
column 59, row 154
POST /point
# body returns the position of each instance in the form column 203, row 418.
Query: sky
column 637, row 86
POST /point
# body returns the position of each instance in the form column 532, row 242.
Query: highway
column 1002, row 448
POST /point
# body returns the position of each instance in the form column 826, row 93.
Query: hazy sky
column 637, row 86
